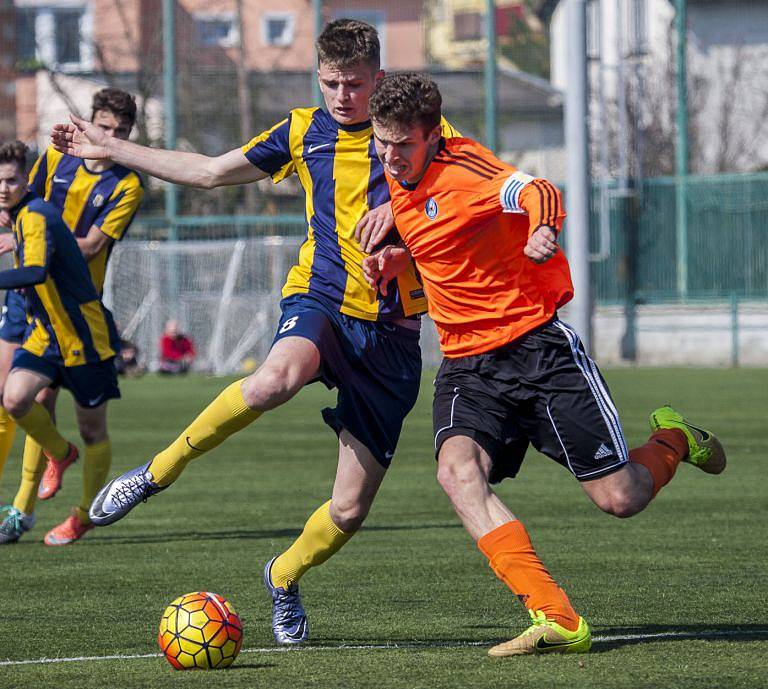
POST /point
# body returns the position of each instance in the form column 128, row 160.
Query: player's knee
column 619, row 503
column 92, row 433
column 456, row 474
column 16, row 401
column 348, row 515
column 267, row 388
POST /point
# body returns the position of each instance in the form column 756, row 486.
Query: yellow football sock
column 320, row 539
column 226, row 415
column 98, row 459
column 38, row 424
column 32, row 469
column 7, row 431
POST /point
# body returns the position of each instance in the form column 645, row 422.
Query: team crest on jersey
column 98, row 201
column 431, row 208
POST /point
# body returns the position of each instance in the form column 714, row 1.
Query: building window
column 26, row 50
column 638, row 28
column 277, row 29
column 56, row 35
column 467, row 26
column 215, row 31
column 67, row 35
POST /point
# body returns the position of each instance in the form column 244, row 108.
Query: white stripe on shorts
column 450, row 425
column 599, row 392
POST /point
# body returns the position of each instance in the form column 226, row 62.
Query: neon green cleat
column 546, row 636
column 704, row 449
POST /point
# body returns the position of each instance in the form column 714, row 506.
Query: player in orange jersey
column 484, row 238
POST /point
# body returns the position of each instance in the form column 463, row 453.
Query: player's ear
column 433, row 136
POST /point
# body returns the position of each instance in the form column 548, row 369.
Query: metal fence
column 677, row 112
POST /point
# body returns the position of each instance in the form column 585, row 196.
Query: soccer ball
column 200, row 631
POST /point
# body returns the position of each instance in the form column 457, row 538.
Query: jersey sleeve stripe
column 552, row 203
column 271, row 150
column 465, row 158
column 548, row 202
column 479, row 173
column 480, row 161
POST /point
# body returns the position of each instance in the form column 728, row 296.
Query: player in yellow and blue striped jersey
column 70, row 340
column 98, row 201
column 334, row 327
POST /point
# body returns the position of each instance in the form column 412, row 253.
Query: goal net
column 225, row 295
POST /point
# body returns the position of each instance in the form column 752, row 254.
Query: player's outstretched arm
column 384, row 265
column 85, row 140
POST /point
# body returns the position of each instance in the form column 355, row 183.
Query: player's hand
column 384, row 265
column 374, row 226
column 7, row 242
column 5, row 219
column 81, row 139
column 542, row 245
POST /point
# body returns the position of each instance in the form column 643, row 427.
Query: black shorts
column 90, row 384
column 541, row 389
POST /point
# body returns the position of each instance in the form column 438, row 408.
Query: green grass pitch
column 678, row 593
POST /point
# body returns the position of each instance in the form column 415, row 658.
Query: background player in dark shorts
column 483, row 236
column 70, row 340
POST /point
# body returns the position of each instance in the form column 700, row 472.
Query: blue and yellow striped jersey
column 69, row 322
column 342, row 179
column 107, row 200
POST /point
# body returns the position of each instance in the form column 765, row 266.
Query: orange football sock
column 662, row 453
column 513, row 559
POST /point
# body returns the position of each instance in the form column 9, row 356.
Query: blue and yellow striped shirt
column 342, row 180
column 107, row 200
column 69, row 322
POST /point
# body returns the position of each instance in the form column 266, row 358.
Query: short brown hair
column 405, row 100
column 14, row 152
column 120, row 103
column 346, row 43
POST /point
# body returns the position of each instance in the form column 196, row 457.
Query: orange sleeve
column 543, row 203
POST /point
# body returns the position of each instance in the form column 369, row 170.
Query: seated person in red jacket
column 177, row 351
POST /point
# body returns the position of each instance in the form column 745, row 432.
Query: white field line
column 660, row 636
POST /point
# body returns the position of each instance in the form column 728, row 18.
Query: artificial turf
column 678, row 594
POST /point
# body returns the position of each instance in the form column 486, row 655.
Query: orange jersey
column 466, row 223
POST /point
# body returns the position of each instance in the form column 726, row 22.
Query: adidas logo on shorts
column 603, row 452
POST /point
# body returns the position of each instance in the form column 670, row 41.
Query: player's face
column 13, row 185
column 346, row 91
column 405, row 152
column 112, row 125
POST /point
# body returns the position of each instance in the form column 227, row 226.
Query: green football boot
column 545, row 636
column 704, row 449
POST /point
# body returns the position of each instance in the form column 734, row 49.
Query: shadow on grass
column 612, row 638
column 605, row 640
column 102, row 537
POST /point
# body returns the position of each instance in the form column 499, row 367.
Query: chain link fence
column 679, row 160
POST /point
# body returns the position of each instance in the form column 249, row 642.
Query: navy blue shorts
column 13, row 323
column 375, row 365
column 90, row 384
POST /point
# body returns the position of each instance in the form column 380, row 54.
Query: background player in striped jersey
column 484, row 238
column 98, row 200
column 71, row 339
column 334, row 327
